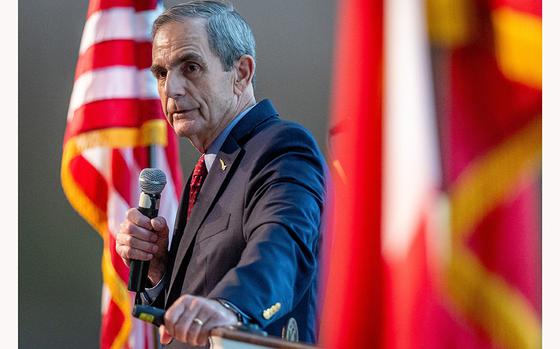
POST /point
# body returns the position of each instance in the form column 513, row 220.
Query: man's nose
column 174, row 85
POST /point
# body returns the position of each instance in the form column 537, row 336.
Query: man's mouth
column 181, row 114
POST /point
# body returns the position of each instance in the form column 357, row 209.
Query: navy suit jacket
column 253, row 236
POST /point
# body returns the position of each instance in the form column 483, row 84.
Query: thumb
column 164, row 336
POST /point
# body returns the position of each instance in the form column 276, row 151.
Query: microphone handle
column 139, row 269
column 149, row 314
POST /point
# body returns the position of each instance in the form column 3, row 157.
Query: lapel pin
column 223, row 165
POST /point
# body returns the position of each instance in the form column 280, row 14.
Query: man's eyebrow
column 156, row 68
column 192, row 57
column 187, row 57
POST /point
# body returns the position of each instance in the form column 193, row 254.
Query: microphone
column 152, row 181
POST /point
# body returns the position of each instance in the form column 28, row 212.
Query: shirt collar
column 216, row 145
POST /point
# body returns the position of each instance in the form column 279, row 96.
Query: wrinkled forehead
column 186, row 34
column 183, row 27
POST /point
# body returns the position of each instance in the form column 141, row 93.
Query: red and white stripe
column 117, row 82
column 113, row 88
column 411, row 173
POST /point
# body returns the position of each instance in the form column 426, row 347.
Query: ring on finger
column 198, row 321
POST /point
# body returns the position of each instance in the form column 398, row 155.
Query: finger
column 138, row 218
column 184, row 327
column 188, row 326
column 164, row 336
column 135, row 243
column 130, row 228
column 196, row 329
column 173, row 314
column 204, row 319
column 128, row 252
column 121, row 253
column 217, row 316
column 200, row 333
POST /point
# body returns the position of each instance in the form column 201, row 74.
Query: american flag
column 115, row 128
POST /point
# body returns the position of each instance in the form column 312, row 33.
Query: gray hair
column 229, row 35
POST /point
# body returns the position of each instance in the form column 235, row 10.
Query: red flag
column 491, row 110
column 114, row 122
column 394, row 278
column 352, row 296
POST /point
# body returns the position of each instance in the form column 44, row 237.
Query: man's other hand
column 144, row 239
column 191, row 318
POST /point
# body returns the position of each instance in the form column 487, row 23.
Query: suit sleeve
column 282, row 218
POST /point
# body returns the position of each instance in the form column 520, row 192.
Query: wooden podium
column 230, row 338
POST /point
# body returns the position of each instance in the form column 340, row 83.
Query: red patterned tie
column 198, row 176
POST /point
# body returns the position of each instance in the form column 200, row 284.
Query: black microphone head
column 152, row 180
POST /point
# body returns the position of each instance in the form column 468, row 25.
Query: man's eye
column 192, row 68
column 160, row 74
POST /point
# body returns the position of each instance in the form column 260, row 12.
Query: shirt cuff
column 241, row 316
column 150, row 294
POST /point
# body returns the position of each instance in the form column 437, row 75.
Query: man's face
column 197, row 95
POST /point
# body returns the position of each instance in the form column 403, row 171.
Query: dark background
column 59, row 285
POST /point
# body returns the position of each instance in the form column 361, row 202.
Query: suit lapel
column 209, row 194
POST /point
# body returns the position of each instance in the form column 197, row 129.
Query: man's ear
column 244, row 71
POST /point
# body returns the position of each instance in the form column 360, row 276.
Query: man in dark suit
column 246, row 239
